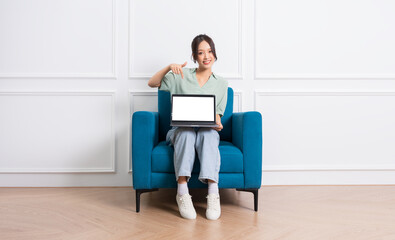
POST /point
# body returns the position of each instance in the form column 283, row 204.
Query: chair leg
column 255, row 192
column 138, row 193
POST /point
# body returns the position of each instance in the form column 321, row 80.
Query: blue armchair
column 240, row 149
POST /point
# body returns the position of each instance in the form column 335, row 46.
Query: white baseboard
column 327, row 177
column 269, row 178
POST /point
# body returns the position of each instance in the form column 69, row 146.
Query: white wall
column 320, row 72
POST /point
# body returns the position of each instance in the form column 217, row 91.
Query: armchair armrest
column 247, row 136
column 144, row 138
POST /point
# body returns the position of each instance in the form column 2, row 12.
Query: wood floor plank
column 285, row 212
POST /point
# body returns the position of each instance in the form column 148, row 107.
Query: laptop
column 193, row 110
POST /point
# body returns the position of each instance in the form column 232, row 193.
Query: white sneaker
column 213, row 207
column 185, row 206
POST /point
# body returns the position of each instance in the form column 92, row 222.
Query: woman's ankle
column 182, row 180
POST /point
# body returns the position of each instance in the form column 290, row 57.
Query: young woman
column 203, row 141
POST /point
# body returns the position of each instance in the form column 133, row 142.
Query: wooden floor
column 286, row 212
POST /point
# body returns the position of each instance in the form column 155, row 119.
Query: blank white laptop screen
column 193, row 108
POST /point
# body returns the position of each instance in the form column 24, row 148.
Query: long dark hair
column 195, row 44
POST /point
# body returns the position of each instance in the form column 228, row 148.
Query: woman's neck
column 204, row 72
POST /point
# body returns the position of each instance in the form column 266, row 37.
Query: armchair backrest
column 164, row 116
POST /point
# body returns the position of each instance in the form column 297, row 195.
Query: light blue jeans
column 189, row 141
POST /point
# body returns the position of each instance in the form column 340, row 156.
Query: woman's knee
column 207, row 133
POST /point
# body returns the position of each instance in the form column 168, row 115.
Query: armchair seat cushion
column 231, row 159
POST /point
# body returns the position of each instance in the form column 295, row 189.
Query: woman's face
column 205, row 56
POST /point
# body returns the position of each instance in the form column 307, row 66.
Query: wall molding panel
column 143, row 76
column 239, row 96
column 76, row 75
column 339, row 168
column 136, row 93
column 381, row 75
column 110, row 162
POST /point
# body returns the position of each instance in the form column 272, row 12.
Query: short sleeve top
column 215, row 85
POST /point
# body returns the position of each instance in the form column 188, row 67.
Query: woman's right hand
column 177, row 68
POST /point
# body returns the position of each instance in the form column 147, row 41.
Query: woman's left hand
column 218, row 122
